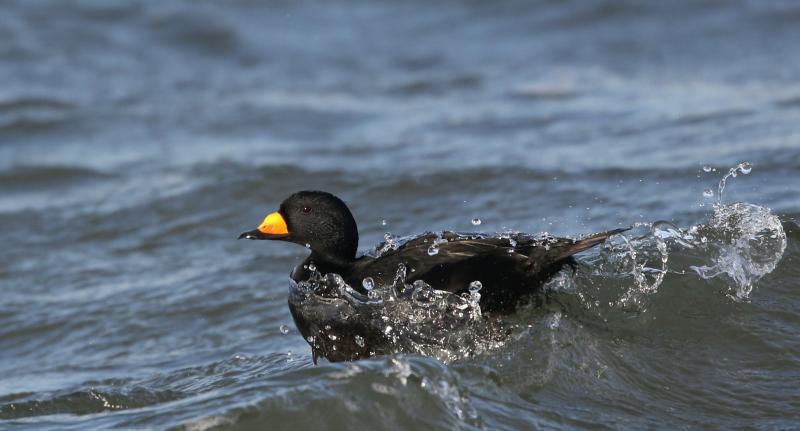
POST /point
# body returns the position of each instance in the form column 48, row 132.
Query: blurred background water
column 139, row 138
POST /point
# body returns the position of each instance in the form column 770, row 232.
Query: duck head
column 317, row 220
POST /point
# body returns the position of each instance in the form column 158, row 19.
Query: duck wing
column 451, row 261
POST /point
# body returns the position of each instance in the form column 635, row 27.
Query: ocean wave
column 135, row 393
column 411, row 390
column 34, row 102
column 48, row 176
column 87, row 401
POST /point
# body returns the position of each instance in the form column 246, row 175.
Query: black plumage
column 508, row 268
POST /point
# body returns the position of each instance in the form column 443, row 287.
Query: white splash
column 741, row 242
column 744, row 243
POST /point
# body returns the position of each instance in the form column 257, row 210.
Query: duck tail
column 587, row 243
column 562, row 250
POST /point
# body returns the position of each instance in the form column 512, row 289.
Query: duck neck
column 327, row 262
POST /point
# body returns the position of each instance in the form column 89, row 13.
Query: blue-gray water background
column 138, row 139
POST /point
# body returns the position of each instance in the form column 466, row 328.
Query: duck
column 508, row 268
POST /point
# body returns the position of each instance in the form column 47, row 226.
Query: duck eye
column 306, row 210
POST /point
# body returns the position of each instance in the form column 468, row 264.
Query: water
column 138, row 139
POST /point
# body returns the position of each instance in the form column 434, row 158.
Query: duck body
column 509, row 268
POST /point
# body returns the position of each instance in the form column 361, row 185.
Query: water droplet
column 475, row 286
column 387, row 236
column 336, row 279
column 476, row 221
column 359, row 340
column 474, row 299
column 745, row 167
column 333, row 337
column 388, row 329
column 707, row 168
column 708, row 193
column 368, row 283
column 284, row 329
column 401, row 273
column 433, row 250
column 310, row 339
column 312, row 267
column 383, row 222
column 308, row 245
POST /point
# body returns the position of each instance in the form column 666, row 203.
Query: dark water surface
column 138, row 139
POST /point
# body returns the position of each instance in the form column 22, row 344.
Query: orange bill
column 273, row 224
